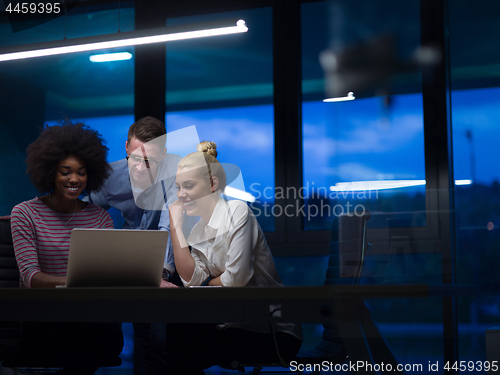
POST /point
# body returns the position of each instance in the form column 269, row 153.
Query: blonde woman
column 228, row 248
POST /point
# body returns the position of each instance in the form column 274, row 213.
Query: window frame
column 289, row 238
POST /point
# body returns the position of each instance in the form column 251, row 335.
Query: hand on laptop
column 167, row 284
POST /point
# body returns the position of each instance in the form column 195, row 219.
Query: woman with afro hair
column 63, row 162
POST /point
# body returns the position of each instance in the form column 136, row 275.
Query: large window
column 223, row 86
column 367, row 153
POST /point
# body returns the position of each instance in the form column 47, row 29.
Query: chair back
column 10, row 332
column 345, row 265
column 9, row 272
column 347, row 249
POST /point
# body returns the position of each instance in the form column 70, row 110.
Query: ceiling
column 238, row 66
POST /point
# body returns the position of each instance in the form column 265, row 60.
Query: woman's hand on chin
column 176, row 210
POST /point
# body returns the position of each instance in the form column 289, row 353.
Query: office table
column 201, row 305
column 214, row 305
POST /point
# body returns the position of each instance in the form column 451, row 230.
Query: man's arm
column 98, row 198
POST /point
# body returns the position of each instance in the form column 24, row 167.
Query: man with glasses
column 142, row 183
column 138, row 187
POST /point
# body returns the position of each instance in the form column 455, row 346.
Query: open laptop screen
column 116, row 257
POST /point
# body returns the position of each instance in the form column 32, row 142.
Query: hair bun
column 207, row 147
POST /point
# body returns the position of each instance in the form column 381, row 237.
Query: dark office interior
column 417, row 147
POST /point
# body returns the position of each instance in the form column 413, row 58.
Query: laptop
column 116, row 258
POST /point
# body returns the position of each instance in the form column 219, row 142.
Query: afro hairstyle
column 56, row 143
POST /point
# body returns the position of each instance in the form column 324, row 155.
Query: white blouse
column 232, row 245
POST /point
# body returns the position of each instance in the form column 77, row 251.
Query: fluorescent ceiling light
column 375, row 185
column 350, row 96
column 463, row 182
column 105, row 57
column 239, row 194
column 125, row 39
column 384, row 184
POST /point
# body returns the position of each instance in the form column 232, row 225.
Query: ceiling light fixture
column 384, row 184
column 375, row 185
column 350, row 96
column 105, row 57
column 463, row 182
column 124, row 39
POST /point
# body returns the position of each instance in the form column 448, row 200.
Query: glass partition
column 363, row 150
column 474, row 29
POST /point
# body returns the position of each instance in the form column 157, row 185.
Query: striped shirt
column 41, row 238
